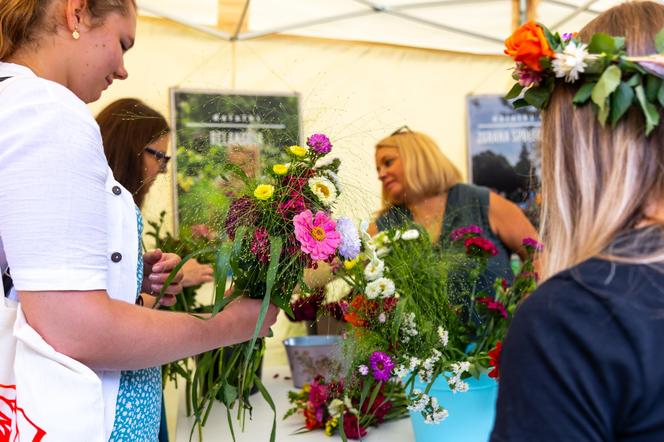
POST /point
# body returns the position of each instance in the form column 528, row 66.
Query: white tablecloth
column 258, row 429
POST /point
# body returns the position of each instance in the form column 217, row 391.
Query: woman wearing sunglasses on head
column 86, row 357
column 420, row 184
column 136, row 142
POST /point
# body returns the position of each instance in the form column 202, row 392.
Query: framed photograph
column 503, row 150
column 214, row 128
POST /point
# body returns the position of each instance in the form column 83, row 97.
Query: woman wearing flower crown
column 582, row 360
column 421, row 184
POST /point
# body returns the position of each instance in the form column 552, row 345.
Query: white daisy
column 383, row 287
column 410, row 234
column 571, row 62
column 323, row 189
column 374, row 269
column 443, row 335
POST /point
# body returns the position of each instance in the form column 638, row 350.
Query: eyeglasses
column 402, row 129
column 160, row 156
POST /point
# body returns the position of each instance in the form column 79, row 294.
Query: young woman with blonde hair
column 69, row 233
column 582, row 360
column 420, row 184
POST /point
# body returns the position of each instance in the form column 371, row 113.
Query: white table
column 258, row 429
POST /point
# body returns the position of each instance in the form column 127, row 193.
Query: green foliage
column 608, row 82
column 436, row 318
column 607, row 76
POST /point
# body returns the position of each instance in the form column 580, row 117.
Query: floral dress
column 138, row 407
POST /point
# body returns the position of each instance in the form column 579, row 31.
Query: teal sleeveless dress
column 466, row 204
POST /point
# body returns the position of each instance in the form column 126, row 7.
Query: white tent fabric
column 470, row 26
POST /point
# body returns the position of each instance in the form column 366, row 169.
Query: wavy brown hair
column 127, row 126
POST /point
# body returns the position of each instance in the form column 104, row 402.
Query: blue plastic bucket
column 471, row 414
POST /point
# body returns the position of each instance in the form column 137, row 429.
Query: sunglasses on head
column 403, row 129
column 159, row 155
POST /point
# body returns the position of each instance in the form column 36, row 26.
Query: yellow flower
column 350, row 263
column 306, row 388
column 330, row 425
column 298, row 151
column 185, row 182
column 280, row 169
column 264, row 191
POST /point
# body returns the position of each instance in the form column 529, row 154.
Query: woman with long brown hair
column 136, row 143
column 582, row 360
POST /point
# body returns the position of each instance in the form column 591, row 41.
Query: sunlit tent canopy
column 472, row 26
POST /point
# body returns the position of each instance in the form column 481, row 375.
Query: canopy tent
column 470, row 26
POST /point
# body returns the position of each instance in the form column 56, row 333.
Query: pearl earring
column 75, row 35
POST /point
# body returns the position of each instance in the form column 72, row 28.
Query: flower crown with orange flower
column 609, row 79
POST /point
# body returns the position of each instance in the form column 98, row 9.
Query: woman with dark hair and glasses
column 420, row 184
column 136, row 140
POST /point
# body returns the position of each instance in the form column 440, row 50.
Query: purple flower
column 567, row 36
column 242, row 212
column 533, row 243
column 527, row 77
column 319, row 143
column 318, row 394
column 350, row 238
column 382, row 366
column 462, row 232
column 260, row 245
column 292, row 206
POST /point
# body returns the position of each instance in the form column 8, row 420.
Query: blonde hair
column 427, row 171
column 598, row 182
column 20, row 20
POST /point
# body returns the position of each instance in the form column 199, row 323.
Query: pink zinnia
column 317, row 234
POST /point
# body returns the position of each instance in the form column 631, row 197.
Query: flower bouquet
column 277, row 226
column 327, row 406
column 416, row 314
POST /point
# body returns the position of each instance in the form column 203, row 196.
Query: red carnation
column 480, row 246
column 352, row 427
column 494, row 354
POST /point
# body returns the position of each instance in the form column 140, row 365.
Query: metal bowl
column 309, row 356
